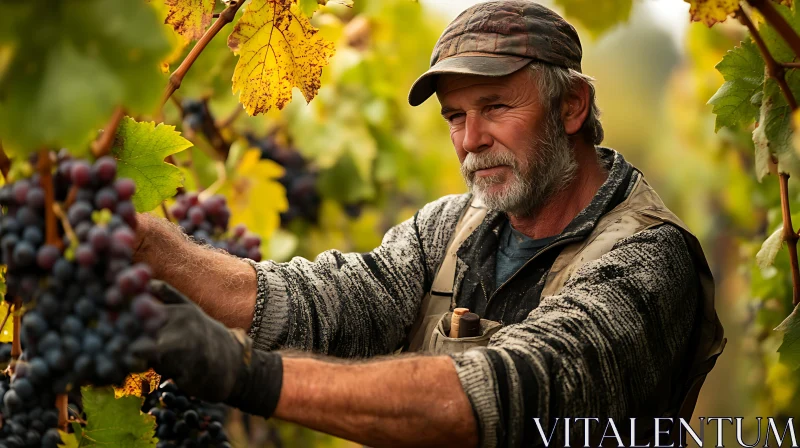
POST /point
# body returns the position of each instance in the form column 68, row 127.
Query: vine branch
column 777, row 72
column 102, row 146
column 176, row 78
column 774, row 18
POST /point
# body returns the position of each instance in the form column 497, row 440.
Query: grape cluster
column 90, row 316
column 299, row 180
column 29, row 422
column 207, row 222
column 184, row 421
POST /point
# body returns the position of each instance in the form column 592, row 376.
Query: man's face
column 513, row 149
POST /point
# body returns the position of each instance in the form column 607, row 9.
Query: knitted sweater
column 609, row 345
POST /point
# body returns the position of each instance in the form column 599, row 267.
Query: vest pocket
column 441, row 344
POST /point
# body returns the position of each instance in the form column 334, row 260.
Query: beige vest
column 642, row 210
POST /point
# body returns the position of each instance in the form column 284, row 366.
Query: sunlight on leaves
column 255, row 196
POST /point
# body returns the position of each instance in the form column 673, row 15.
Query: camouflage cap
column 497, row 38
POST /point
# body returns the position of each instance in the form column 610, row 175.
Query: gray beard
column 549, row 168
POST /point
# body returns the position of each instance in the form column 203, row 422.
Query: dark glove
column 211, row 362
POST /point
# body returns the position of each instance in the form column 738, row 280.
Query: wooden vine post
column 777, row 72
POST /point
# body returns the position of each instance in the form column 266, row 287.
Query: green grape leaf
column 140, row 150
column 116, row 422
column 790, row 348
column 743, row 71
column 72, row 65
column 190, row 18
column 597, row 16
column 775, row 43
column 773, row 135
column 769, row 249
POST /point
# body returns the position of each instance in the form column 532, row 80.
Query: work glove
column 212, row 362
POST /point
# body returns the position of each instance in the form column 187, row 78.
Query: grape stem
column 65, row 223
column 777, row 72
column 5, row 163
column 102, row 146
column 175, row 79
column 63, row 412
column 167, row 214
column 45, row 168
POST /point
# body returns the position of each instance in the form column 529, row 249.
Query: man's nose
column 476, row 136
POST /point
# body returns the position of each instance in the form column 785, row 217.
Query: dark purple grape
column 196, row 215
column 35, row 197
column 251, row 241
column 27, row 217
column 127, row 212
column 128, row 282
column 47, row 256
column 178, row 211
column 105, row 169
column 106, row 198
column 254, row 253
column 20, row 190
column 99, row 238
column 24, row 254
column 80, row 173
column 125, row 188
column 124, row 236
column 78, row 212
column 145, row 307
column 33, row 235
column 85, row 255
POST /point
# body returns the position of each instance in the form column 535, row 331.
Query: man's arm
column 223, row 285
column 411, row 401
column 344, row 304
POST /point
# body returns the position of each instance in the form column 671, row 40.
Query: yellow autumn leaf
column 712, row 11
column 190, row 18
column 177, row 42
column 278, row 49
column 133, row 384
column 255, row 197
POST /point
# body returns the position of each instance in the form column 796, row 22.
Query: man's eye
column 497, row 106
column 454, row 118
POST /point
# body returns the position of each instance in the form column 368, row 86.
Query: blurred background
column 358, row 159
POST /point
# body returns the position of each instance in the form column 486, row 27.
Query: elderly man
column 595, row 300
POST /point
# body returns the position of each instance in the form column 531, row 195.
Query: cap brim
column 486, row 65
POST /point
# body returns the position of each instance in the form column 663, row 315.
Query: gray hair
column 554, row 82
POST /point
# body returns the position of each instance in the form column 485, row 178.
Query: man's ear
column 575, row 108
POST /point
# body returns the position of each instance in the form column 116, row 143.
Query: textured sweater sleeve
column 349, row 304
column 605, row 347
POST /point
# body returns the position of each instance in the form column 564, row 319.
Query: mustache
column 479, row 161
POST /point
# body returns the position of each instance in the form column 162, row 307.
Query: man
column 604, row 298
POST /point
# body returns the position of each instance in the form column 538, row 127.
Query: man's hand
column 201, row 355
